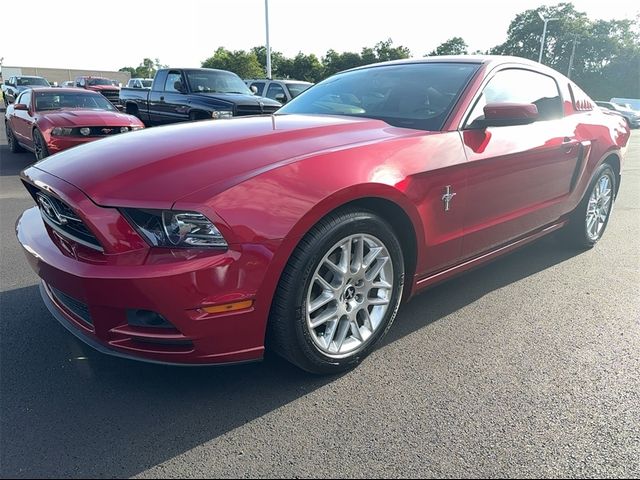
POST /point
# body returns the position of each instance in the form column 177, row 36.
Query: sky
column 108, row 35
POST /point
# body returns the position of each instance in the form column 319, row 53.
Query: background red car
column 194, row 243
column 48, row 120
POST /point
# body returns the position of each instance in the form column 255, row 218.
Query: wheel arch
column 386, row 201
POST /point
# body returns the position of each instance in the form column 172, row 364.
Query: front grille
column 112, row 95
column 242, row 110
column 63, row 219
column 76, row 307
column 98, row 131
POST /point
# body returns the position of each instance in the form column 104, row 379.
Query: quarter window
column 273, row 90
column 520, row 86
column 174, row 79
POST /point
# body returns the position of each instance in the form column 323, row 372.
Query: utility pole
column 573, row 53
column 266, row 19
column 544, row 33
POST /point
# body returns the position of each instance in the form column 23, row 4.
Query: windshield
column 211, row 81
column 414, row 95
column 99, row 81
column 26, row 81
column 296, row 89
column 58, row 100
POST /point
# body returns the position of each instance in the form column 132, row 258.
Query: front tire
column 39, row 145
column 589, row 221
column 339, row 293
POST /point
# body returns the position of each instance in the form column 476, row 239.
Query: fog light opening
column 147, row 318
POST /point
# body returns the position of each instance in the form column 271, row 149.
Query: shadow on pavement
column 69, row 411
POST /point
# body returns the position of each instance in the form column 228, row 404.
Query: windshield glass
column 99, row 81
column 24, row 81
column 58, row 100
column 414, row 95
column 211, row 81
column 296, row 89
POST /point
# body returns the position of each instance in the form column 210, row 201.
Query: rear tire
column 13, row 144
column 339, row 293
column 589, row 221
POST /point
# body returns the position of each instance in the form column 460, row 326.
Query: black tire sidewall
column 43, row 144
column 580, row 227
column 318, row 245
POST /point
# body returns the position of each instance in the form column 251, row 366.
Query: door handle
column 162, row 98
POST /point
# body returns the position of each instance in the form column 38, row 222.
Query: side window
column 81, row 82
column 259, row 86
column 273, row 90
column 520, row 86
column 174, row 82
column 25, row 98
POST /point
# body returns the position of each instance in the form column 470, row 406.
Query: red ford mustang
column 199, row 243
column 48, row 120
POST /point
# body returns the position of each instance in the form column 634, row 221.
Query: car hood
column 153, row 168
column 88, row 118
column 239, row 98
column 99, row 88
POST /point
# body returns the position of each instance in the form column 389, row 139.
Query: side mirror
column 20, row 106
column 506, row 114
column 280, row 97
column 254, row 89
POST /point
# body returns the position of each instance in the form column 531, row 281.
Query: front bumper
column 57, row 144
column 174, row 284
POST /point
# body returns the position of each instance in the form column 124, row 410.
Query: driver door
column 518, row 175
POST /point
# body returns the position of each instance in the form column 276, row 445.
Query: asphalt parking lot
column 527, row 367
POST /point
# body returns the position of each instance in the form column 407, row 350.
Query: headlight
column 61, row 131
column 124, row 129
column 136, row 127
column 174, row 228
column 221, row 114
column 85, row 131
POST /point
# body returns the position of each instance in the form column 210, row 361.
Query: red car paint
column 23, row 123
column 265, row 181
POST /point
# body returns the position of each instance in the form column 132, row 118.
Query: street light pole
column 266, row 19
column 544, row 34
column 573, row 53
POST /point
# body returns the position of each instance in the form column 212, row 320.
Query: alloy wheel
column 599, row 207
column 349, row 295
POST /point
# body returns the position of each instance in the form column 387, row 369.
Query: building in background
column 60, row 75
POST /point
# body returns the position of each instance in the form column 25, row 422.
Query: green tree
column 304, row 67
column 279, row 63
column 607, row 53
column 244, row 64
column 453, row 46
column 146, row 69
column 385, row 51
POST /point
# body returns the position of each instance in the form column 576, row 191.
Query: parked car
column 17, row 84
column 632, row 116
column 179, row 95
column 632, row 103
column 282, row 91
column 68, row 84
column 140, row 83
column 47, row 121
column 101, row 85
column 308, row 227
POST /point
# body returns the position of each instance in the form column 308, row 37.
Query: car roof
column 68, row 90
column 26, row 76
column 489, row 60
